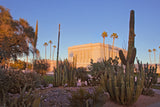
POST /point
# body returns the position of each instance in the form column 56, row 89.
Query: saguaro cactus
column 131, row 49
column 122, row 86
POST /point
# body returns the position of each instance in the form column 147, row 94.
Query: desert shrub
column 41, row 66
column 12, row 81
column 23, row 99
column 48, row 79
column 18, row 65
column 98, row 69
column 82, row 74
column 93, row 97
column 150, row 78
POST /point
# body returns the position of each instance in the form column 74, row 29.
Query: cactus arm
column 122, row 57
column 133, row 55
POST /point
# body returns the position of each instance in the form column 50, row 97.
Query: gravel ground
column 58, row 97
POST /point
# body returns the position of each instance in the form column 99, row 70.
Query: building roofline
column 89, row 44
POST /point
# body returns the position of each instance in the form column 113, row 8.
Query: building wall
column 84, row 53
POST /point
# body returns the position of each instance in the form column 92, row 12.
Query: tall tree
column 104, row 35
column 45, row 44
column 54, row 50
column 114, row 36
column 149, row 50
column 14, row 36
column 154, row 50
column 50, row 42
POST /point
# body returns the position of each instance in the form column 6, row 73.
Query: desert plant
column 13, row 81
column 41, row 66
column 48, row 79
column 66, row 74
column 24, row 99
column 122, row 86
column 98, row 69
column 57, row 60
column 81, row 73
column 150, row 78
column 21, row 65
column 93, row 97
column 79, row 98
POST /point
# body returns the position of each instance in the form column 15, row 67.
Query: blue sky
column 83, row 21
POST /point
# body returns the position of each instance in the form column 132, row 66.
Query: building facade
column 84, row 53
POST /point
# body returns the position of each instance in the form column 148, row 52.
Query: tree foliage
column 14, row 36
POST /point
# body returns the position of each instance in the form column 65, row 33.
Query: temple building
column 84, row 53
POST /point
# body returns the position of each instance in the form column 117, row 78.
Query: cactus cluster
column 123, row 87
column 66, row 74
column 150, row 75
column 150, row 78
column 121, row 83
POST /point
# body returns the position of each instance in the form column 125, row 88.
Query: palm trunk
column 104, row 48
column 154, row 57
column 159, row 58
column 53, row 53
column 112, row 47
column 45, row 52
column 150, row 58
column 50, row 51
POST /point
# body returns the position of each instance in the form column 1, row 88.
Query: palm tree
column 154, row 50
column 45, row 44
column 104, row 34
column 149, row 50
column 114, row 36
column 54, row 50
column 50, row 42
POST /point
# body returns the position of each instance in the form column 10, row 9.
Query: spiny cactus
column 66, row 74
column 131, row 49
column 122, row 86
column 150, row 78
